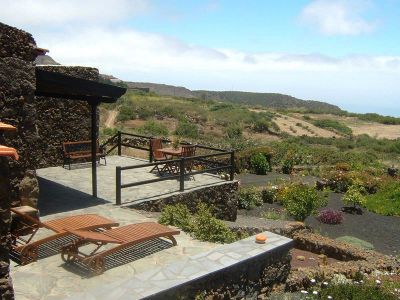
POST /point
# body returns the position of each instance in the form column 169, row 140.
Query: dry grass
column 287, row 123
column 359, row 127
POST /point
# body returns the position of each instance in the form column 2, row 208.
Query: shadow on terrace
column 127, row 180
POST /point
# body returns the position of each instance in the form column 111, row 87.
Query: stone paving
column 187, row 269
column 49, row 278
column 80, row 178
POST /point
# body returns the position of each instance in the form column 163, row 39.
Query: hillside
column 271, row 100
column 268, row 100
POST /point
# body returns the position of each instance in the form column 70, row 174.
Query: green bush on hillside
column 300, row 200
column 126, row 113
column 354, row 196
column 234, row 131
column 154, row 128
column 386, row 201
column 249, row 198
column 260, row 164
column 187, row 130
column 333, row 124
column 243, row 158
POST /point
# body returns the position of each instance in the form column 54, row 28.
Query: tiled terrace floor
column 49, row 278
column 79, row 178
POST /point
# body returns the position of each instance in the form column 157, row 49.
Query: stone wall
column 6, row 290
column 42, row 125
column 17, row 85
column 223, row 197
column 61, row 120
column 252, row 277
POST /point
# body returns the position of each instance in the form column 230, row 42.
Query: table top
column 8, row 151
column 171, row 151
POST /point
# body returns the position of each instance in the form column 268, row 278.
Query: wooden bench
column 80, row 150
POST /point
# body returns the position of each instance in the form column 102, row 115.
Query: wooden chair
column 123, row 237
column 27, row 250
column 155, row 145
column 188, row 151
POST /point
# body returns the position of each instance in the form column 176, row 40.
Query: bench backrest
column 79, row 147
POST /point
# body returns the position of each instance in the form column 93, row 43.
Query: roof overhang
column 57, row 85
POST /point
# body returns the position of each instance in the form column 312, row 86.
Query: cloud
column 125, row 51
column 50, row 13
column 139, row 56
column 338, row 17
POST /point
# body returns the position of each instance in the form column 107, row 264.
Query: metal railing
column 205, row 162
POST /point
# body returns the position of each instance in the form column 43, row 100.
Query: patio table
column 172, row 168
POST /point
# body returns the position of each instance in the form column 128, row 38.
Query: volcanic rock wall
column 42, row 125
column 61, row 120
column 17, row 85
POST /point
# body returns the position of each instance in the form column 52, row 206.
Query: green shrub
column 355, row 292
column 207, row 228
column 261, row 126
column 249, row 198
column 242, row 158
column 356, row 242
column 333, row 124
column 269, row 194
column 154, row 128
column 234, row 131
column 259, row 164
column 300, row 200
column 109, row 131
column 126, row 113
column 202, row 225
column 386, row 201
column 354, row 196
column 187, row 130
column 177, row 215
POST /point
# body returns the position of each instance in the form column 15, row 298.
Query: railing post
column 118, row 185
column 151, row 151
column 182, row 174
column 232, row 173
column 119, row 143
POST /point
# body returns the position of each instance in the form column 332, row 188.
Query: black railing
column 204, row 161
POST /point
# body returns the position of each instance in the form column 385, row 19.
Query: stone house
column 42, row 124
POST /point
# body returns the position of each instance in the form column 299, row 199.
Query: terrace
column 165, row 270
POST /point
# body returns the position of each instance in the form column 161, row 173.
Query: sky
column 344, row 52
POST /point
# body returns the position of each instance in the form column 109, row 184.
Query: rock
column 29, row 189
column 300, row 257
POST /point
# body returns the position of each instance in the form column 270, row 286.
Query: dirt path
column 110, row 121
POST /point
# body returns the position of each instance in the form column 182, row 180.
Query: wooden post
column 119, row 143
column 118, row 186
column 232, row 170
column 182, row 174
column 94, row 146
column 151, row 158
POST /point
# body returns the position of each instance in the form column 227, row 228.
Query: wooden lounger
column 27, row 249
column 123, row 236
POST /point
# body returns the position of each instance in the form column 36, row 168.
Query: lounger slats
column 124, row 236
column 95, row 236
column 141, row 231
column 77, row 222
